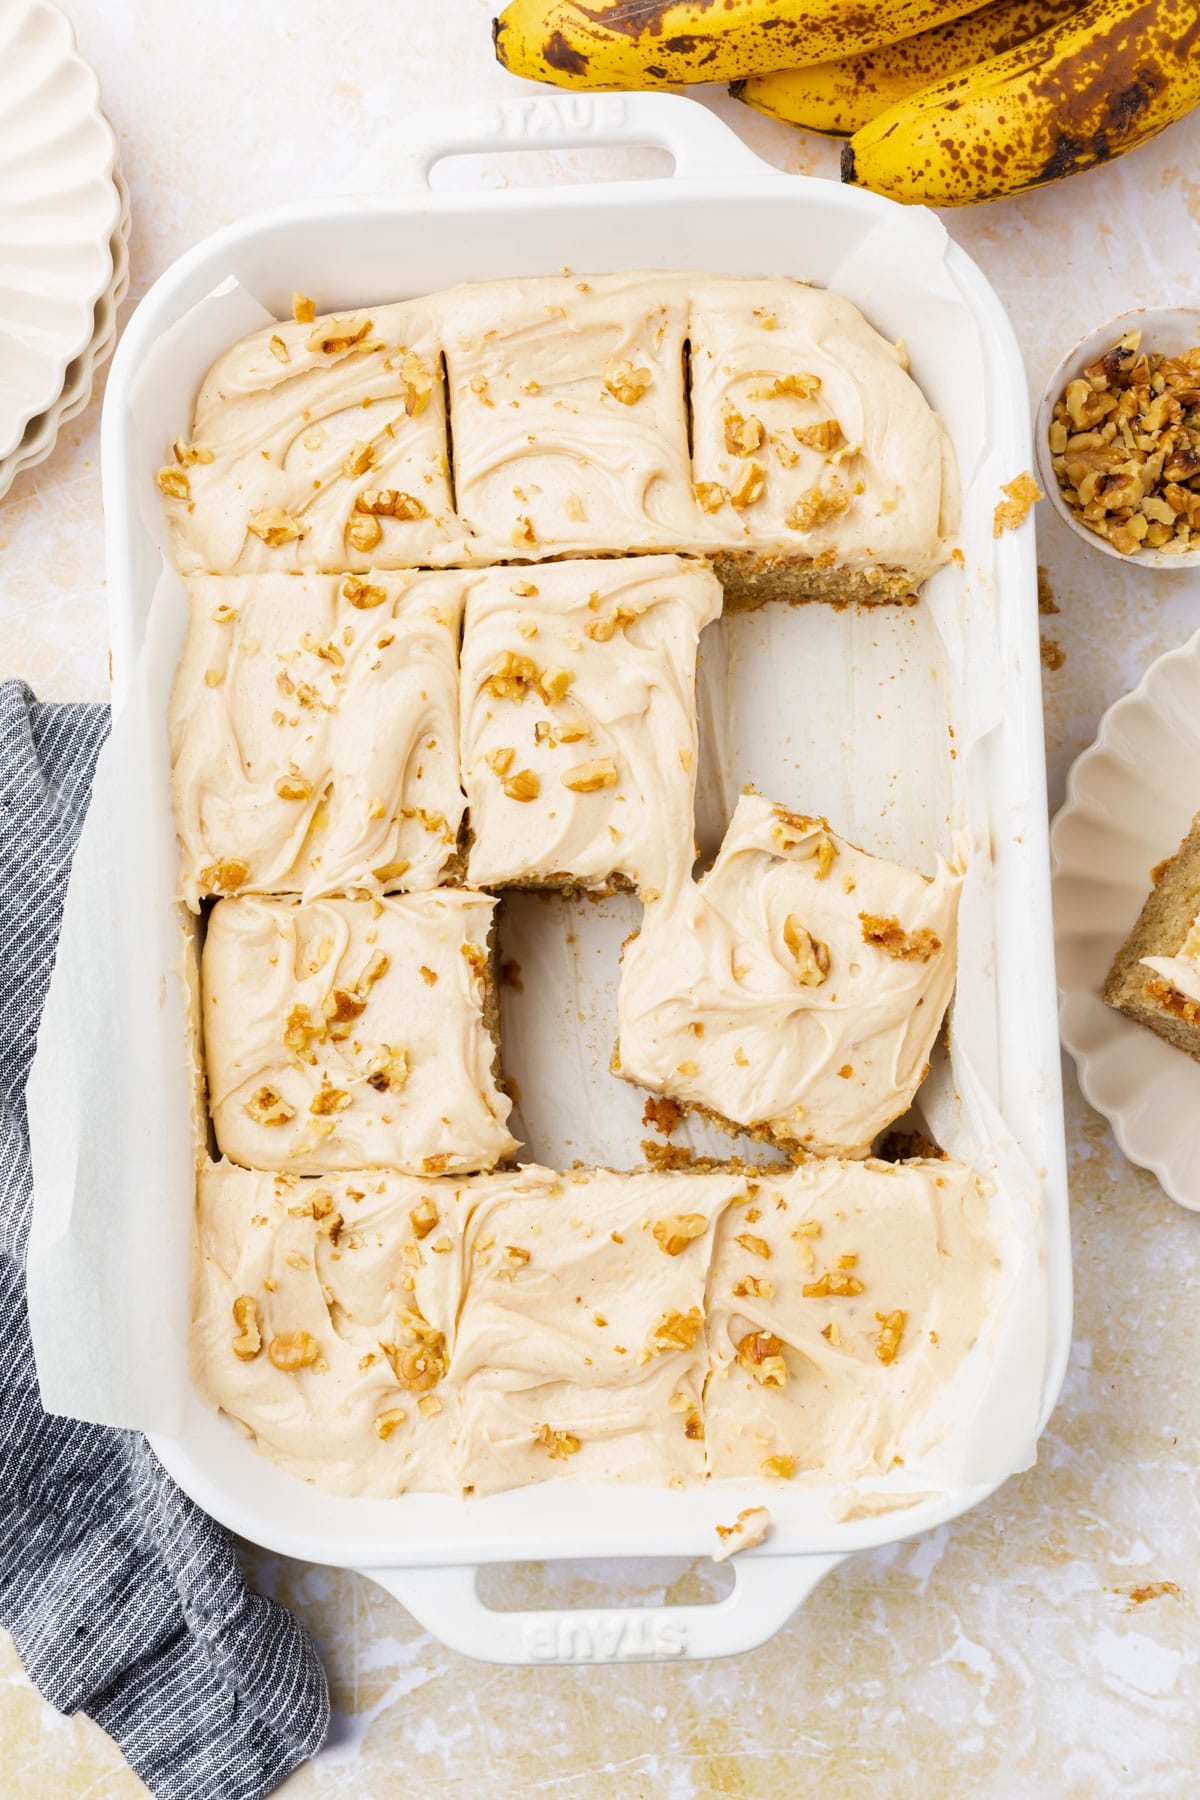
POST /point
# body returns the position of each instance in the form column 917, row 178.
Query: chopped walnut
column 749, row 487
column 329, row 1100
column 174, row 483
column 710, row 496
column 279, row 349
column 743, row 436
column 429, row 1406
column 553, row 684
column 303, row 310
column 674, row 1234
column 500, row 760
column 624, row 382
column 748, row 1529
column 677, row 1330
column 892, row 1330
column 784, row 1467
column 888, row 935
column 388, row 1070
column 760, row 1353
column 420, row 1361
column 560, row 1444
column 363, row 594
column 363, row 531
column 801, row 386
column 293, row 1350
column 424, row 1216
column 825, row 436
column 754, row 1246
column 386, row 1422
column 390, row 503
column 333, row 336
column 753, row 1287
column 294, row 786
column 224, row 877
column 809, row 954
column 359, row 458
column 817, row 506
column 267, row 1107
column 1022, row 493
column 832, row 1284
column 513, row 677
column 524, row 785
column 586, row 778
column 275, row 526
column 1125, row 443
column 248, row 1343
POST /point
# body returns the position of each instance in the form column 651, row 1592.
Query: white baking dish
column 722, row 209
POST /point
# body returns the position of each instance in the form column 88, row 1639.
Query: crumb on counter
column 1022, row 493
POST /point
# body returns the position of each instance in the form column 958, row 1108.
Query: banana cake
column 1155, row 977
column 795, row 989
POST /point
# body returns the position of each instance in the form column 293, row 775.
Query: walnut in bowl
column 1118, row 438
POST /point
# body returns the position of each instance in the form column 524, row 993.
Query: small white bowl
column 1169, row 329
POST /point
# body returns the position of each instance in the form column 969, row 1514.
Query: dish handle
column 701, row 144
column 766, row 1591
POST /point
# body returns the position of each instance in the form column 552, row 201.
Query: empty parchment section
column 314, row 734
column 354, row 1034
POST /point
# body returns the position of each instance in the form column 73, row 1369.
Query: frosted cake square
column 796, row 989
column 570, row 413
column 357, row 1407
column 578, row 722
column 842, row 1301
column 1155, row 977
column 354, row 1034
column 580, row 1347
column 819, row 465
column 314, row 734
column 318, row 443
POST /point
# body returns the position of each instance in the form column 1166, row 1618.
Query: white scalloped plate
column 59, row 210
column 1130, row 800
column 41, row 433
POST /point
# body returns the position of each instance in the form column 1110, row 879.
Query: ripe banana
column 841, row 96
column 655, row 43
column 1106, row 79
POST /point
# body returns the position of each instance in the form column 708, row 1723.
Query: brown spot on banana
column 1109, row 77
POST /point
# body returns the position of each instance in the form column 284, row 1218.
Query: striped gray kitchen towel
column 124, row 1600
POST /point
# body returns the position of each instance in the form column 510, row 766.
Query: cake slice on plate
column 1155, row 979
column 796, row 989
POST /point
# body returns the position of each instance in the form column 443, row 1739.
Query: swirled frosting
column 796, row 988
column 314, row 734
column 351, row 1034
column 631, row 412
column 842, row 1300
column 810, row 437
column 376, row 1332
column 319, row 446
column 578, row 720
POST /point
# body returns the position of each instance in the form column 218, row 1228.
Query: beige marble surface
column 1002, row 1657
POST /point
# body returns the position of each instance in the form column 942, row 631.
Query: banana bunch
column 943, row 102
column 1099, row 83
column 656, row 43
column 839, row 97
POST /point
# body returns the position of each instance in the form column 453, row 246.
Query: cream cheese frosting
column 570, row 414
column 842, row 1301
column 631, row 412
column 314, row 734
column 810, row 437
column 796, row 988
column 578, row 721
column 376, row 1332
column 320, row 445
column 353, row 1034
column 1181, row 971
